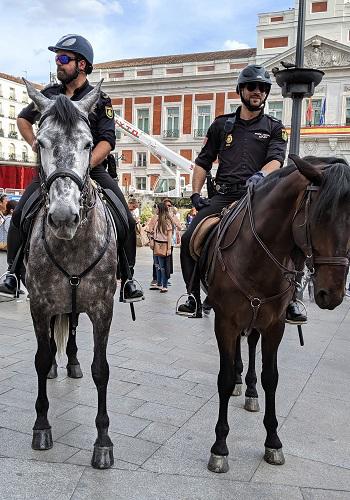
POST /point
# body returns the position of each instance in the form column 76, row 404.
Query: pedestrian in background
column 160, row 229
column 6, row 219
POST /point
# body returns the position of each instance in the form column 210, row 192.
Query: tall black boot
column 12, row 281
column 130, row 290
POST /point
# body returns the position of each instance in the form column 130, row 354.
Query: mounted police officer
column 74, row 60
column 249, row 145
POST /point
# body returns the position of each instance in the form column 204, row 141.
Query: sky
column 121, row 29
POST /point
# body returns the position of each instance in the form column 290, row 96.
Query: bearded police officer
column 249, row 145
column 74, row 60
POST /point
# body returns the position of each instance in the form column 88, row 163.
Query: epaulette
column 273, row 118
column 228, row 115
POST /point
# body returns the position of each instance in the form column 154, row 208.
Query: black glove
column 255, row 179
column 112, row 166
column 198, row 202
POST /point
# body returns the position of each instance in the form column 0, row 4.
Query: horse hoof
column 237, row 391
column 218, row 463
column 102, row 457
column 42, row 439
column 274, row 456
column 251, row 404
column 53, row 372
column 74, row 371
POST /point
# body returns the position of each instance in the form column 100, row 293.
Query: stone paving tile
column 29, row 480
column 26, row 400
column 170, row 397
column 158, row 368
column 124, row 424
column 163, row 413
column 158, row 432
column 116, row 484
column 133, row 353
column 153, row 380
column 316, row 494
column 83, row 457
column 17, row 445
column 200, row 377
column 304, row 473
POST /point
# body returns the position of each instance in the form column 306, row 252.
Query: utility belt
column 225, row 188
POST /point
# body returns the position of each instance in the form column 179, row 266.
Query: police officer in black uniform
column 74, row 59
column 249, row 145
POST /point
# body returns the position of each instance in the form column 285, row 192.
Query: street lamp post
column 298, row 82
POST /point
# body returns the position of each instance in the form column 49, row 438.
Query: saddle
column 201, row 233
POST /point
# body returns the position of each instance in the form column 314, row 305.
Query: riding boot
column 12, row 281
column 294, row 315
column 130, row 290
column 192, row 308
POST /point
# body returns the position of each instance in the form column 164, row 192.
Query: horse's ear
column 87, row 103
column 308, row 170
column 41, row 102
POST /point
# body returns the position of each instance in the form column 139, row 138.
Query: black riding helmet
column 253, row 73
column 77, row 44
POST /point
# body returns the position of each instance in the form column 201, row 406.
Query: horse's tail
column 61, row 332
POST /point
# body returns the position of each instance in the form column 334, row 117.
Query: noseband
column 302, row 234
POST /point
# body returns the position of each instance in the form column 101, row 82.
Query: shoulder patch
column 109, row 112
column 284, row 134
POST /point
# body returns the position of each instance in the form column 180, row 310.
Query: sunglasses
column 253, row 85
column 64, row 59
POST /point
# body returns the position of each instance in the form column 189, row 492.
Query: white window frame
column 136, row 121
column 145, row 153
column 144, row 177
column 271, row 101
column 343, row 113
column 195, row 116
column 165, row 120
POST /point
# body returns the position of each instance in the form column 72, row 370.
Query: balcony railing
column 12, row 98
column 12, row 157
column 12, row 117
column 171, row 134
column 13, row 135
column 200, row 132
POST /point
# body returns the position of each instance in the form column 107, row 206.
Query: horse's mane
column 64, row 113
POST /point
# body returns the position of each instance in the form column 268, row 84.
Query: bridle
column 302, row 234
column 82, row 183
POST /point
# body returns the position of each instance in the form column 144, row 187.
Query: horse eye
column 88, row 145
column 40, row 144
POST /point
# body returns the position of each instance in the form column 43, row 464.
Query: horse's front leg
column 226, row 339
column 237, row 391
column 271, row 339
column 53, row 370
column 73, row 365
column 103, row 448
column 251, row 396
column 42, row 437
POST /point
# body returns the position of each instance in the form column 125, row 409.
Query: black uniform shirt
column 101, row 119
column 245, row 149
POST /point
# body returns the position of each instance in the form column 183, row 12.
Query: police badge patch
column 228, row 139
column 284, row 135
column 109, row 112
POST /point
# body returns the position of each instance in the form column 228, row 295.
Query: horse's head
column 65, row 142
column 322, row 228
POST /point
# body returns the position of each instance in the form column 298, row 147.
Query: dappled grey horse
column 71, row 248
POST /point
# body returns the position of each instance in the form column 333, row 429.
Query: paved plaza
column 163, row 406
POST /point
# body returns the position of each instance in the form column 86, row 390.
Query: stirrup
column 299, row 323
column 9, row 296
column 136, row 299
column 187, row 315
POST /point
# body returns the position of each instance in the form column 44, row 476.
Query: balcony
column 118, row 135
column 13, row 135
column 171, row 134
column 12, row 98
column 12, row 117
column 25, row 158
column 12, row 157
column 199, row 133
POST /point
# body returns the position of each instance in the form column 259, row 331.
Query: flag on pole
column 309, row 113
column 323, row 113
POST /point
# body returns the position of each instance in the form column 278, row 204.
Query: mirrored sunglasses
column 64, row 59
column 251, row 86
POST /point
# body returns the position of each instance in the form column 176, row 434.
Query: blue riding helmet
column 77, row 44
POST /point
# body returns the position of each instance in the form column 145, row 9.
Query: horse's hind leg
column 73, row 365
column 103, row 448
column 218, row 461
column 237, row 391
column 269, row 378
column 251, row 395
column 42, row 438
column 53, row 370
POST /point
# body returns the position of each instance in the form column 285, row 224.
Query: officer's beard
column 66, row 79
column 252, row 107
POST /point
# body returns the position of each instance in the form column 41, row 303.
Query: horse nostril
column 323, row 295
column 50, row 220
column 76, row 219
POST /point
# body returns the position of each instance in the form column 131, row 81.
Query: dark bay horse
column 296, row 209
column 72, row 260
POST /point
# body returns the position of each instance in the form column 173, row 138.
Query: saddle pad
column 200, row 234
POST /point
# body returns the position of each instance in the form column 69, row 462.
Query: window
column 278, row 41
column 12, row 112
column 1, row 153
column 173, row 120
column 143, row 119
column 1, row 111
column 25, row 97
column 25, row 153
column 12, row 131
column 312, row 116
column 12, row 152
column 276, row 19
column 0, row 90
column 203, row 120
column 319, row 7
column 1, row 130
column 12, row 94
column 118, row 132
column 141, row 159
column 276, row 109
column 234, row 106
column 141, row 183
column 347, row 112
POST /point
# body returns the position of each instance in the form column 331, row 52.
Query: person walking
column 161, row 230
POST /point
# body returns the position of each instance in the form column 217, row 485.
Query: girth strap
column 75, row 279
